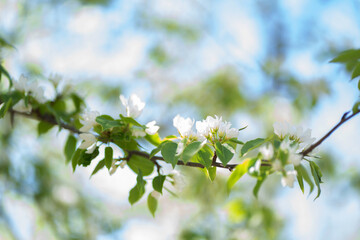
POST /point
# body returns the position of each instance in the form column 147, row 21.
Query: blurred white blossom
column 289, row 179
column 184, row 125
column 21, row 107
column 88, row 120
column 277, row 166
column 267, row 152
column 88, row 140
column 151, row 128
column 134, row 106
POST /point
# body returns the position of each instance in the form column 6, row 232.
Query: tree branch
column 343, row 119
column 51, row 119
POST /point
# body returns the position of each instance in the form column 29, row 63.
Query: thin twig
column 344, row 119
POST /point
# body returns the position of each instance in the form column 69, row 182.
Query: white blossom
column 22, row 84
column 294, row 158
column 151, row 128
column 89, row 120
column 89, row 140
column 289, row 179
column 21, row 107
column 180, row 148
column 183, row 125
column 138, row 133
column 211, row 127
column 91, row 149
column 277, row 166
column 267, row 152
column 55, row 78
column 134, row 106
column 37, row 92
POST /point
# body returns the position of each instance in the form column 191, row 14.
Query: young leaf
column 44, row 127
column 257, row 186
column 168, row 152
column 75, row 158
column 251, row 145
column 130, row 120
column 300, row 179
column 346, row 56
column 153, row 139
column 108, row 122
column 224, row 152
column 138, row 191
column 138, row 163
column 316, row 173
column 158, row 183
column 302, row 170
column 356, row 71
column 211, row 172
column 5, row 108
column 70, row 147
column 157, row 149
column 86, row 158
column 190, row 150
column 234, row 140
column 204, row 156
column 99, row 166
column 5, row 72
column 108, row 157
column 237, row 173
column 152, row 203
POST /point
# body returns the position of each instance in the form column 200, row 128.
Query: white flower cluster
column 29, row 88
column 89, row 140
column 134, row 107
column 211, row 129
column 293, row 141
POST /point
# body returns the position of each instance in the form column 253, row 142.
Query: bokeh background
column 252, row 62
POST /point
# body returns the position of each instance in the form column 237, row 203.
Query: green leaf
column 190, row 150
column 5, row 108
column 85, row 158
column 316, row 173
column 204, row 156
column 70, row 147
column 257, row 186
column 234, row 140
column 5, row 72
column 108, row 157
column 237, row 173
column 359, row 84
column 152, row 203
column 211, row 172
column 130, row 120
column 251, row 145
column 356, row 71
column 44, row 127
column 75, row 158
column 346, row 56
column 108, row 122
column 137, row 163
column 78, row 101
column 300, row 179
column 138, row 191
column 168, row 151
column 224, row 152
column 99, row 166
column 355, row 108
column 140, row 182
column 153, row 139
column 158, row 183
column 304, row 174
